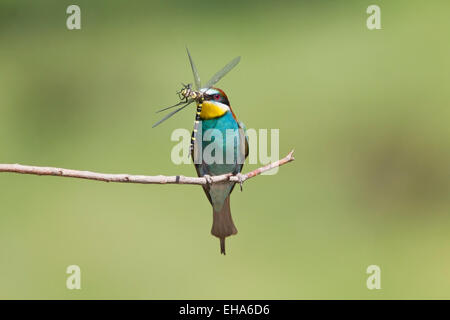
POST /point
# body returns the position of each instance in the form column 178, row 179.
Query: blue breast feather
column 219, row 192
column 223, row 141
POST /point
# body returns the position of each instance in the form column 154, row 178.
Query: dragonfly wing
column 220, row 74
column 172, row 113
column 175, row 105
column 194, row 71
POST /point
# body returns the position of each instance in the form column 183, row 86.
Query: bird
column 219, row 144
column 221, row 134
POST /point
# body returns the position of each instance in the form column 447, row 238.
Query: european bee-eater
column 219, row 144
column 224, row 137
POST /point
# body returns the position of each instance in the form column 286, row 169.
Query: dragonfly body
column 188, row 93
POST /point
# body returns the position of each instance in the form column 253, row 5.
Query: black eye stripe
column 214, row 96
column 220, row 98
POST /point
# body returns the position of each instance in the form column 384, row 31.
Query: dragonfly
column 189, row 94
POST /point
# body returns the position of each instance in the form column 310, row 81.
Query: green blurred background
column 366, row 111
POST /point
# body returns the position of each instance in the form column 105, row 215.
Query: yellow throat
column 211, row 110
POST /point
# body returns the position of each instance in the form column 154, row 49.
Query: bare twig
column 126, row 178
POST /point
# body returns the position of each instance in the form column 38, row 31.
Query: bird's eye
column 216, row 97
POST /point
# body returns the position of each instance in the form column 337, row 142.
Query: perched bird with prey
column 217, row 130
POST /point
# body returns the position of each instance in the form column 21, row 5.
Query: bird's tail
column 223, row 225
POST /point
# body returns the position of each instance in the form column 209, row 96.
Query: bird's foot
column 208, row 179
column 241, row 179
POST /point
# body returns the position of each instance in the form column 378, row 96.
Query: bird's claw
column 208, row 179
column 240, row 177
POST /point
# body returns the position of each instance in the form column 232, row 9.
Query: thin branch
column 127, row 178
